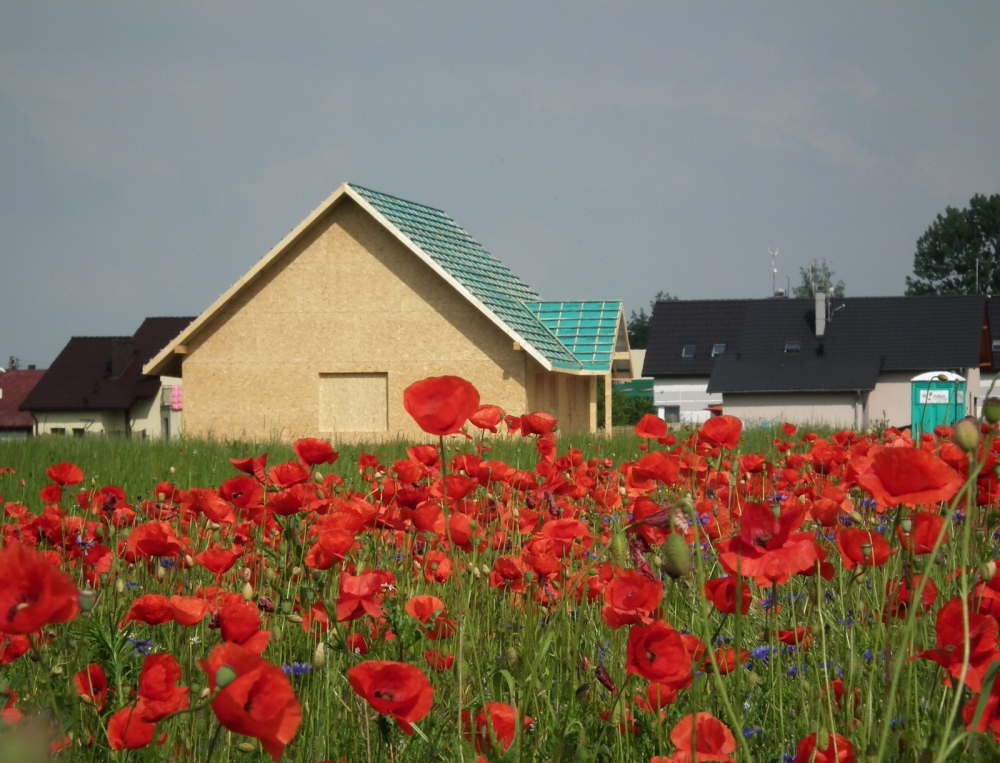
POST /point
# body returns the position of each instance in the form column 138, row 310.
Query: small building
column 367, row 295
column 841, row 361
column 96, row 386
column 15, row 385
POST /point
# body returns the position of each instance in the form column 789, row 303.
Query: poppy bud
column 476, row 573
column 676, row 556
column 161, row 572
column 988, row 570
column 247, row 592
column 205, row 693
column 297, row 619
column 161, row 497
column 512, row 657
column 486, row 569
column 856, row 517
column 319, row 656
column 246, row 747
column 967, row 434
column 318, row 477
column 87, row 600
column 618, row 549
column 225, row 676
column 529, row 575
column 120, row 585
column 991, row 409
column 188, row 560
column 86, row 699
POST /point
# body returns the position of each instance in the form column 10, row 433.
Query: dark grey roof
column 864, row 333
column 701, row 322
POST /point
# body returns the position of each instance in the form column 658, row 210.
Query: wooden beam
column 623, row 356
column 181, row 349
column 607, row 405
column 517, row 347
column 592, row 404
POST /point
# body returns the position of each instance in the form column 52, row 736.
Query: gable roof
column 589, row 330
column 15, row 385
column 103, row 372
column 864, row 333
column 447, row 249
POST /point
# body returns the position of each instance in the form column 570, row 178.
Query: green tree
column 959, row 252
column 638, row 323
column 625, row 411
column 817, row 277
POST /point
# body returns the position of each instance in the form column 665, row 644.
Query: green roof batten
column 575, row 336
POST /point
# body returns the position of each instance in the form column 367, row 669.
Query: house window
column 57, row 430
column 79, row 431
column 718, row 349
column 672, row 414
column 792, row 345
column 353, row 402
column 996, row 345
column 687, row 351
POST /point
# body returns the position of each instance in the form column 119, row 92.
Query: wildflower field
column 709, row 594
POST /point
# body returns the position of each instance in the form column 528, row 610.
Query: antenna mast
column 774, row 271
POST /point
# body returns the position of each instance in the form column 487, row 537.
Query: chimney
column 820, row 297
column 122, row 352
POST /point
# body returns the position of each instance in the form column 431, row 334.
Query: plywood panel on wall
column 353, row 403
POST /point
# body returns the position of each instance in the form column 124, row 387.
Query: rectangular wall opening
column 354, row 402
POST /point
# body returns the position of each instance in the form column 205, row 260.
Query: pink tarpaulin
column 177, row 398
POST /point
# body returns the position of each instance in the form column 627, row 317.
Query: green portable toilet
column 938, row 399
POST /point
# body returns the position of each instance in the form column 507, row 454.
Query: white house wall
column 690, row 395
column 890, row 401
column 836, row 409
column 88, row 422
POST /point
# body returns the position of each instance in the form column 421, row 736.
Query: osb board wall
column 570, row 398
column 348, row 299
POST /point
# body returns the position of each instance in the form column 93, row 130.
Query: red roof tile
column 14, row 388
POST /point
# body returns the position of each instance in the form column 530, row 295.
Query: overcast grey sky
column 152, row 152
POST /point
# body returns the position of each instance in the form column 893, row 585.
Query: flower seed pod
column 225, row 676
column 88, row 599
column 967, row 434
column 991, row 409
column 676, row 556
column 286, row 606
column 906, row 525
column 618, row 549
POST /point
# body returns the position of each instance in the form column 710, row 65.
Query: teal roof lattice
column 482, row 274
column 588, row 329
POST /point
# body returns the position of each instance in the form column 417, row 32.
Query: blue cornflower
column 130, row 584
column 296, row 669
column 749, row 731
column 168, row 562
column 792, row 672
column 867, row 654
column 141, row 646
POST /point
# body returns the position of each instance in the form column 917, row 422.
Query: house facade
column 367, row 295
column 846, row 362
column 96, row 387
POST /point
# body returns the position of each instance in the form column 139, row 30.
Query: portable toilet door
column 938, row 399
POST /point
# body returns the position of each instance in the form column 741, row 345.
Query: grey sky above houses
column 151, row 153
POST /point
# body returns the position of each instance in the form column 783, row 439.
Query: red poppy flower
column 218, row 560
column 34, row 592
column 188, row 610
column 65, row 474
column 441, row 404
column 126, row 730
column 657, row 653
column 651, row 426
column 487, row 417
column 911, row 476
column 288, row 474
column 239, row 623
column 767, row 548
column 151, row 608
column 538, row 423
column 396, row 689
column 723, row 431
column 152, row 539
column 501, row 723
column 899, row 590
column 252, row 466
column 630, row 598
column 360, row 595
column 722, row 593
column 259, row 702
column 951, row 643
column 437, row 661
column 424, row 607
column 838, row 750
column 924, row 530
column 313, row 452
column 863, row 547
column 51, row 494
column 712, row 739
column 158, row 692
column 92, row 684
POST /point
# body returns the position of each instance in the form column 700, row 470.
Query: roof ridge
column 357, row 187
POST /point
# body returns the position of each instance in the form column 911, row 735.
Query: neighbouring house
column 96, row 386
column 367, row 295
column 841, row 361
column 15, row 384
column 685, row 338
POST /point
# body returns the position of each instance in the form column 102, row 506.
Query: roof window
column 996, row 345
column 718, row 349
column 792, row 345
column 687, row 351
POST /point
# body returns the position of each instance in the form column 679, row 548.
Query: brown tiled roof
column 104, row 372
column 14, row 387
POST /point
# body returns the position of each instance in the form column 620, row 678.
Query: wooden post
column 607, row 405
column 592, row 404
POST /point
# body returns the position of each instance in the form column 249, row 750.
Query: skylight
column 996, row 345
column 718, row 349
column 792, row 345
column 687, row 351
